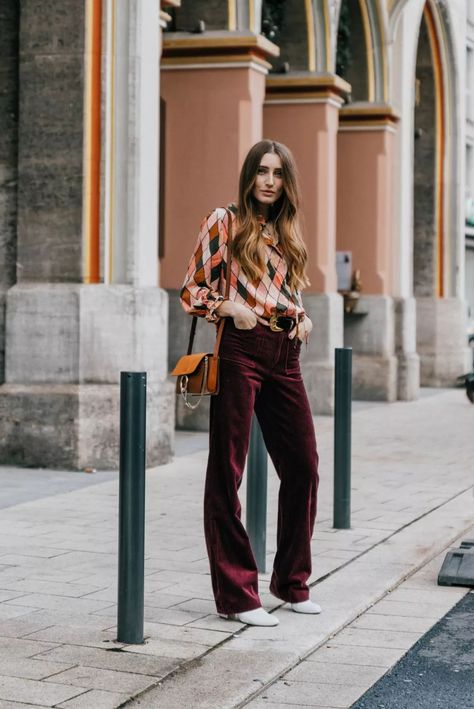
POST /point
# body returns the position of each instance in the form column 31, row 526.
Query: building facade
column 124, row 124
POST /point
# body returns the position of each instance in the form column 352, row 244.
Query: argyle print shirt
column 204, row 286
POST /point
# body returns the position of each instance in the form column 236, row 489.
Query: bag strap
column 220, row 328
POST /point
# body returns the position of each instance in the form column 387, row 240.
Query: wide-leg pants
column 260, row 370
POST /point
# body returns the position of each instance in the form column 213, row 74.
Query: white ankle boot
column 306, row 607
column 259, row 616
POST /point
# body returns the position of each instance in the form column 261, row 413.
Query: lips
column 268, row 192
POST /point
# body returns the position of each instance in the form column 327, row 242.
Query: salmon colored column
column 303, row 112
column 212, row 91
column 364, row 227
column 365, row 193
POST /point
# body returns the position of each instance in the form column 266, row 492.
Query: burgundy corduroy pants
column 259, row 370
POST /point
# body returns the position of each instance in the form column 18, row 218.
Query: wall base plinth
column 442, row 341
column 75, row 426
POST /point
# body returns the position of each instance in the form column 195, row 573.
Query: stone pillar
column 212, row 89
column 86, row 304
column 441, row 341
column 302, row 111
column 9, row 22
column 408, row 378
column 364, row 227
column 372, row 338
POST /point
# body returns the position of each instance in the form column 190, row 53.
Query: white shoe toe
column 259, row 616
column 306, row 607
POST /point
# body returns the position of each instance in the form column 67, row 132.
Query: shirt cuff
column 212, row 314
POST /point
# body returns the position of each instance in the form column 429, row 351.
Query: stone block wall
column 9, row 17
column 50, row 159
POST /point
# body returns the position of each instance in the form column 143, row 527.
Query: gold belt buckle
column 273, row 324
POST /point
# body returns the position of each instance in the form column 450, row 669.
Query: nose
column 269, row 179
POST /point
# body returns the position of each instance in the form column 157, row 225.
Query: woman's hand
column 243, row 317
column 302, row 330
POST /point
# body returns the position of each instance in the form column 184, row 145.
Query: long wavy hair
column 248, row 248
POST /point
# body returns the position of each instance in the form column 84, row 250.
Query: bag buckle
column 183, row 385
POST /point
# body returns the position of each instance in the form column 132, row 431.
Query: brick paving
column 412, row 472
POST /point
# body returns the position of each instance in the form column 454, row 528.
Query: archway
column 428, row 226
column 438, row 262
column 361, row 49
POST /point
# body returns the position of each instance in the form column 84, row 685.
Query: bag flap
column 189, row 363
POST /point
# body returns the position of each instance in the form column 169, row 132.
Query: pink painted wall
column 364, row 203
column 213, row 117
column 310, row 131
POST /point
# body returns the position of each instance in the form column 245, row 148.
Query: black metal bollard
column 257, row 473
column 342, row 438
column 131, row 507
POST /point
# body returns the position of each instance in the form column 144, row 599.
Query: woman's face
column 268, row 185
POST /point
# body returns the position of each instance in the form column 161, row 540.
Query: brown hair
column 247, row 245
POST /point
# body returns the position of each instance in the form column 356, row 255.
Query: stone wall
column 213, row 12
column 9, row 14
column 50, row 168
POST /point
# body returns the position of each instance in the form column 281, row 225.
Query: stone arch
column 428, row 232
column 403, row 30
column 304, row 37
column 369, row 18
column 435, row 18
column 450, row 177
column 427, row 252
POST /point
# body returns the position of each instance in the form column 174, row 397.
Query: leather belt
column 280, row 323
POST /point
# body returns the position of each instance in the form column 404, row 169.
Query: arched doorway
column 438, row 263
column 428, row 183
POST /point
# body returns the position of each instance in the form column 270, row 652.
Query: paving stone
column 89, row 637
column 31, row 668
column 376, row 621
column 50, row 587
column 30, row 691
column 9, row 595
column 187, row 634
column 107, row 660
column 214, row 622
column 108, row 680
column 96, row 699
column 268, row 704
column 420, row 598
column 45, row 618
column 18, row 627
column 160, row 599
column 15, row 647
column 39, row 600
column 333, row 673
column 18, row 705
column 408, row 610
column 365, row 656
column 313, row 694
column 9, row 610
column 360, row 637
column 152, row 614
column 169, row 648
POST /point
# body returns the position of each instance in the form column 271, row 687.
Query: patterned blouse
column 204, row 286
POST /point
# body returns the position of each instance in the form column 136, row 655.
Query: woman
column 259, row 370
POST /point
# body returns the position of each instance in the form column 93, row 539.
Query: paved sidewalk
column 348, row 664
column 412, row 496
